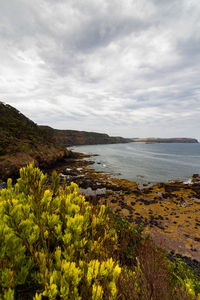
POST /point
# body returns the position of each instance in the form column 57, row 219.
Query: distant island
column 165, row 140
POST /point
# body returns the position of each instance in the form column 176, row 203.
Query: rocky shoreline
column 169, row 212
column 49, row 158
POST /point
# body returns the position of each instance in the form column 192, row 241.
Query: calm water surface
column 146, row 162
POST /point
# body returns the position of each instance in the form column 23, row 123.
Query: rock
column 195, row 176
column 2, row 185
column 70, row 172
column 192, row 263
column 62, row 175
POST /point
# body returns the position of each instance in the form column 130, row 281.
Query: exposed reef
column 168, row 211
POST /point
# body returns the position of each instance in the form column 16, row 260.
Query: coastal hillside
column 21, row 141
column 18, row 133
column 75, row 137
column 165, row 140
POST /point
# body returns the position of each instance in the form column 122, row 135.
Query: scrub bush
column 52, row 242
column 55, row 245
column 155, row 277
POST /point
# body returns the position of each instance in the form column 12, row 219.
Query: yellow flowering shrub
column 52, row 242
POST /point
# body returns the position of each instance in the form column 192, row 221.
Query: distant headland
column 22, row 141
column 165, row 140
column 75, row 137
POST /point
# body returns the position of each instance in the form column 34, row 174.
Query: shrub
column 188, row 278
column 155, row 277
column 52, row 242
column 149, row 278
column 129, row 237
column 55, row 245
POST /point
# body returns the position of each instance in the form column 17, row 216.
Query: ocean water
column 146, row 162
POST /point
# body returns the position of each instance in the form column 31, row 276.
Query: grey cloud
column 101, row 31
column 190, row 48
column 103, row 66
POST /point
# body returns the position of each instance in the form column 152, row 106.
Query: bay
column 159, row 162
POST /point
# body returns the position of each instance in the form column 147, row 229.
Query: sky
column 129, row 68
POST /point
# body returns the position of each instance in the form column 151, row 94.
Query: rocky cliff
column 74, row 137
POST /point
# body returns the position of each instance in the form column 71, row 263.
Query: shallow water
column 90, row 192
column 146, row 162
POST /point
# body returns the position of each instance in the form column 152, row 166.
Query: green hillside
column 18, row 133
column 21, row 141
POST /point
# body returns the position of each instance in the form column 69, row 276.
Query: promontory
column 165, row 140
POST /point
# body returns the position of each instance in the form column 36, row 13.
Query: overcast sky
column 129, row 68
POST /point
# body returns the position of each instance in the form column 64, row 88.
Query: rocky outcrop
column 166, row 140
column 10, row 164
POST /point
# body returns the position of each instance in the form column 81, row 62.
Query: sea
column 146, row 163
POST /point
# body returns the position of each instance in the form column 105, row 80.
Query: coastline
column 146, row 164
column 167, row 211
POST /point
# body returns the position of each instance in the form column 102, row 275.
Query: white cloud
column 125, row 68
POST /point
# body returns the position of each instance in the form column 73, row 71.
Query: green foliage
column 18, row 133
column 129, row 238
column 188, row 278
column 55, row 245
column 154, row 276
column 53, row 241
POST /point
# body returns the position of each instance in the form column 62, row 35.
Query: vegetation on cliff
column 55, row 245
column 75, row 137
column 18, row 133
column 22, row 141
